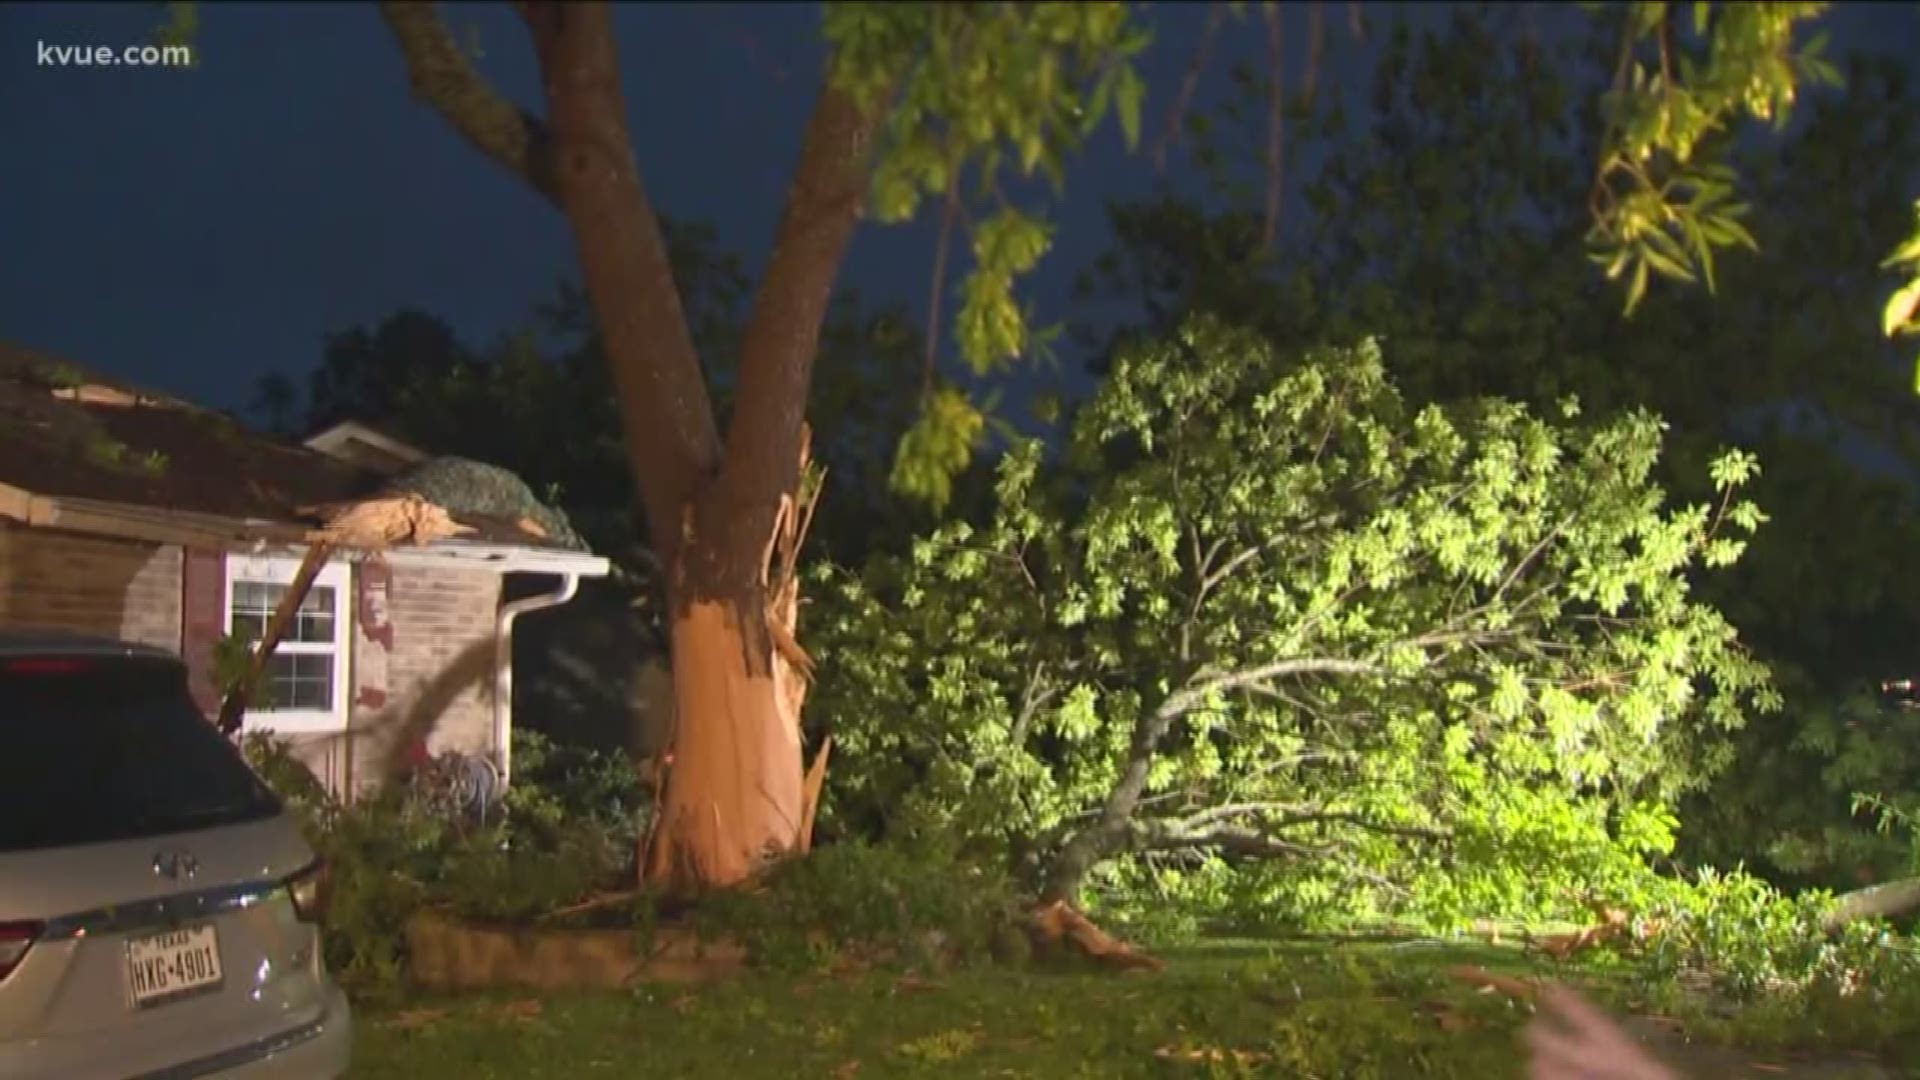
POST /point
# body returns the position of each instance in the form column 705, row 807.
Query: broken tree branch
column 233, row 707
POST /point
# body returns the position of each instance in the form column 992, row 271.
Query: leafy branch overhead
column 1902, row 314
column 1663, row 196
column 980, row 94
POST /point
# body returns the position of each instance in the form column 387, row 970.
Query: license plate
column 161, row 967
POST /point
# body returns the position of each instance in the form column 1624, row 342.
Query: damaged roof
column 67, row 432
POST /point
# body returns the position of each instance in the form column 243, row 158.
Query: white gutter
column 502, row 558
column 503, row 665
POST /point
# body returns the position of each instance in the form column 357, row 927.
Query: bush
column 567, row 828
column 1776, row 974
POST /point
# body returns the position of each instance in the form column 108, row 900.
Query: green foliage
column 1901, row 316
column 567, row 830
column 978, row 93
column 915, row 906
column 1663, row 203
column 1448, row 216
column 1791, row 980
column 232, row 663
column 1368, row 655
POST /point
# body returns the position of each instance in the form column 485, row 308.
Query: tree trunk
column 735, row 789
column 737, row 794
column 1088, row 846
column 733, row 798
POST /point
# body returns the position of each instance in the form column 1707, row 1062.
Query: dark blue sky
column 192, row 230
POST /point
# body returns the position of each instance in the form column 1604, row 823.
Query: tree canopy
column 1266, row 608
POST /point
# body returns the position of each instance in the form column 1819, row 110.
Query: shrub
column 567, row 828
column 1776, row 973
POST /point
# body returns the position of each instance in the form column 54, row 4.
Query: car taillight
column 15, row 939
column 308, row 888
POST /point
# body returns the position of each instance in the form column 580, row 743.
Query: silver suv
column 158, row 909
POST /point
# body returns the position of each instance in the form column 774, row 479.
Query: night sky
column 192, row 230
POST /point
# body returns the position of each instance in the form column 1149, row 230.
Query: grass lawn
column 1225, row 1009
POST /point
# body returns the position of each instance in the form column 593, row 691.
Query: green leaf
column 1129, row 92
column 1898, row 316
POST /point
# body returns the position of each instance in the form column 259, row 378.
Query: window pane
column 253, row 598
column 254, row 603
column 315, row 621
column 114, row 750
column 299, row 681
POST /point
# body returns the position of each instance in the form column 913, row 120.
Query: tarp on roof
column 473, row 489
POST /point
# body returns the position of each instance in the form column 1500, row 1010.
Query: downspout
column 503, row 665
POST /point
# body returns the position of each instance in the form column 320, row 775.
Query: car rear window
column 111, row 748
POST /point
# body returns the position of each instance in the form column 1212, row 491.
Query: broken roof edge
column 167, row 526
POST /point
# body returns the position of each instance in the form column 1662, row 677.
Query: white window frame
column 281, row 570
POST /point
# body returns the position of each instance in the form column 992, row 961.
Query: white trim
column 280, row 570
column 502, row 558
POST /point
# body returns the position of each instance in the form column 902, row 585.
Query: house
column 135, row 515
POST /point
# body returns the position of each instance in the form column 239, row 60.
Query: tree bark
column 735, row 792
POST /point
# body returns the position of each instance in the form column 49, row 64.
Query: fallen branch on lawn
column 1060, row 922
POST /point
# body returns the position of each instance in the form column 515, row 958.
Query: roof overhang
column 165, row 526
column 132, row 522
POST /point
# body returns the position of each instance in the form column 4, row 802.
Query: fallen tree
column 1270, row 635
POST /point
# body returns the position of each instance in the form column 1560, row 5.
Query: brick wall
column 92, row 585
column 439, row 671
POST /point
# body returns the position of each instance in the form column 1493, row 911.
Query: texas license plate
column 161, row 967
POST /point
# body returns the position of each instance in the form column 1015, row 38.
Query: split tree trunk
column 736, row 795
column 735, row 791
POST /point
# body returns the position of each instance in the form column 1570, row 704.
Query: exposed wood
column 1059, row 921
column 442, row 78
column 16, row 504
column 733, row 794
column 810, row 794
column 382, row 522
column 234, row 707
column 736, row 797
column 733, row 798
